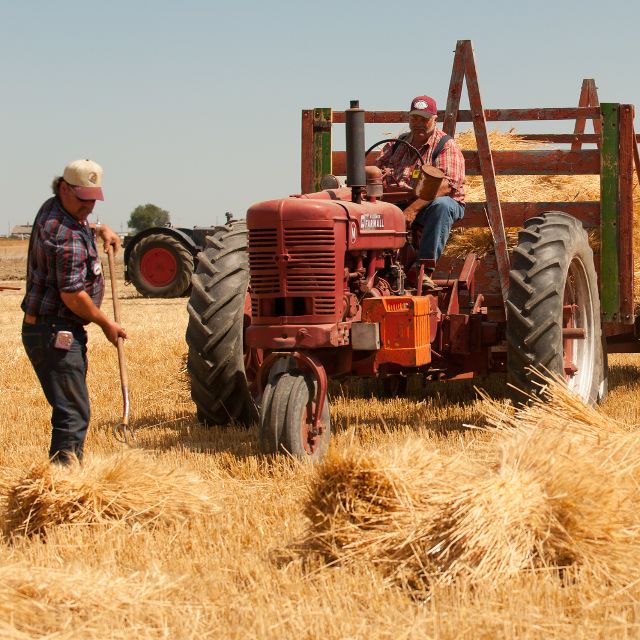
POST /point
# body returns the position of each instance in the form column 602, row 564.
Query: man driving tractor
column 397, row 161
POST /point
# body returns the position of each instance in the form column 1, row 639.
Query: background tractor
column 315, row 287
column 160, row 261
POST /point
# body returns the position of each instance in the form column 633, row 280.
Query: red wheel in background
column 160, row 266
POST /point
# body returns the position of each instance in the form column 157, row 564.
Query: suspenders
column 439, row 147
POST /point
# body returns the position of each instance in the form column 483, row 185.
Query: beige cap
column 86, row 178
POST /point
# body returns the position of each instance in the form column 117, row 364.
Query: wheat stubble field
column 196, row 535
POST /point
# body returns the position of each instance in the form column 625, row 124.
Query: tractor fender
column 179, row 234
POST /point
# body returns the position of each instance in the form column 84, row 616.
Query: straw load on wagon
column 528, row 188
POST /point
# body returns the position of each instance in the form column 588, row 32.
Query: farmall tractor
column 317, row 287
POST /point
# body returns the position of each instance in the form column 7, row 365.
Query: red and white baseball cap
column 423, row 106
column 85, row 176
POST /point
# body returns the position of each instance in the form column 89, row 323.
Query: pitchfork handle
column 116, row 312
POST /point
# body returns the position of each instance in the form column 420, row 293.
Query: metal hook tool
column 122, row 432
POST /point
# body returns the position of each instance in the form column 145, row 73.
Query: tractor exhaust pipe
column 356, row 178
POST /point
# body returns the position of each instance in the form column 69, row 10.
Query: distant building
column 21, row 232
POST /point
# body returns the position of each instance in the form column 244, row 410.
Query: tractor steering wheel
column 400, row 140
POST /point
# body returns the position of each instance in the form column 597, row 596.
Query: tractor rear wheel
column 221, row 384
column 553, row 310
column 160, row 266
column 286, row 419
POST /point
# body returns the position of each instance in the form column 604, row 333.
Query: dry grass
column 34, row 599
column 12, row 260
column 241, row 572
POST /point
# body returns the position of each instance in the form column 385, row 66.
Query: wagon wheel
column 160, row 266
column 286, row 420
column 553, row 309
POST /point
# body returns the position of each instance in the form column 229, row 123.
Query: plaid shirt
column 402, row 161
column 62, row 257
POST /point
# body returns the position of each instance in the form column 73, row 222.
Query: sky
column 195, row 106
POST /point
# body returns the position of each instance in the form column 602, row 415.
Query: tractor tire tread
column 536, row 297
column 215, row 362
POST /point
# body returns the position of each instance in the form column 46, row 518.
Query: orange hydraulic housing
column 404, row 328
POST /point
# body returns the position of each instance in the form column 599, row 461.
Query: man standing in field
column 64, row 291
column 436, row 148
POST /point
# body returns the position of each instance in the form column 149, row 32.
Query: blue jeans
column 63, row 377
column 436, row 220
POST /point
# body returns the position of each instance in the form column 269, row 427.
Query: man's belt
column 49, row 319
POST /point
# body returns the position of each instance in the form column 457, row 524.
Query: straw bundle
column 419, row 514
column 559, row 490
column 129, row 487
column 555, row 407
column 589, row 466
column 498, row 141
column 488, row 529
column 375, row 502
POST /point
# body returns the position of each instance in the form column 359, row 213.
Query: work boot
column 428, row 283
column 413, row 274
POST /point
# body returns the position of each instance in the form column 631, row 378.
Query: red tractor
column 316, row 287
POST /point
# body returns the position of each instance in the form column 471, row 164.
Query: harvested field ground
column 223, row 556
column 12, row 260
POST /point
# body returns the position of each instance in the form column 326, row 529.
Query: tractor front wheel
column 160, row 266
column 553, row 310
column 286, row 420
column 219, row 364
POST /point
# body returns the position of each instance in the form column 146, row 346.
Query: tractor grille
column 312, row 265
column 298, row 277
column 263, row 246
